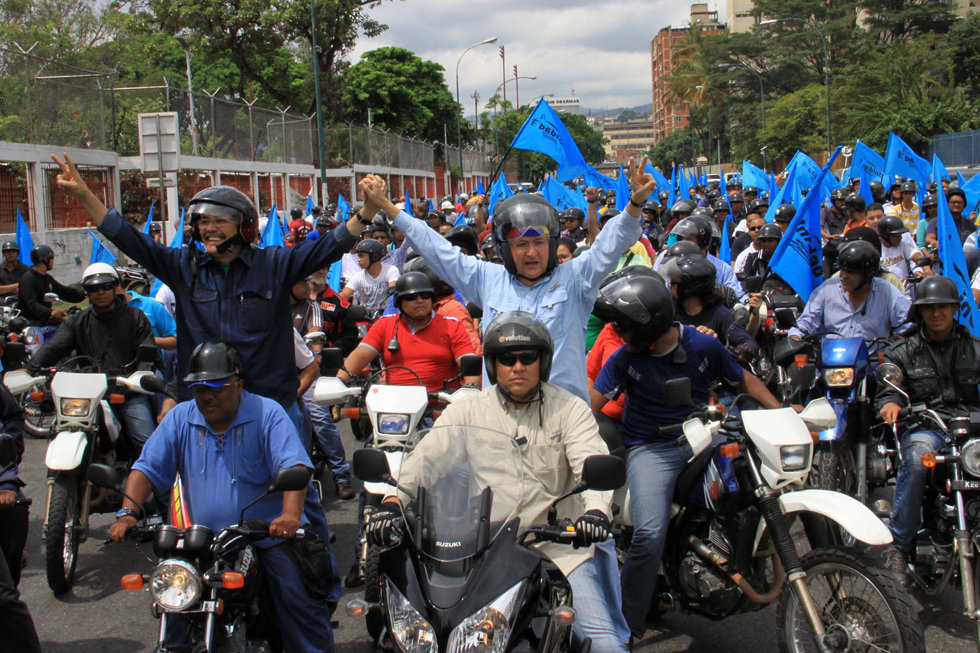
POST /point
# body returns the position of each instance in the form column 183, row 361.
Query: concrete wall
column 72, row 251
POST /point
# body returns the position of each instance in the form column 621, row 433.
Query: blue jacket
column 248, row 307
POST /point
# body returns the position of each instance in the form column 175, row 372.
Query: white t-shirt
column 743, row 257
column 349, row 267
column 370, row 292
column 301, row 352
column 898, row 259
column 166, row 297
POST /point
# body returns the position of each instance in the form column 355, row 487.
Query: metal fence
column 474, row 161
column 958, row 149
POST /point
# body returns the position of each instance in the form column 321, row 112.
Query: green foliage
column 797, row 121
column 628, row 115
column 679, row 147
column 966, row 58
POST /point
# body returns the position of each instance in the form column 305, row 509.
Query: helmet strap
column 231, row 243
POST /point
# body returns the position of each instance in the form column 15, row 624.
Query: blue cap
column 217, row 383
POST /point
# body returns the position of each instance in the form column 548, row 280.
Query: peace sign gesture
column 74, row 185
column 642, row 183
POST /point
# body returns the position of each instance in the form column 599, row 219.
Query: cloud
column 600, row 49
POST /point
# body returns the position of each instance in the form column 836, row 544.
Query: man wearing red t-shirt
column 416, row 338
column 298, row 228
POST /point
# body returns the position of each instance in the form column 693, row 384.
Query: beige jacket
column 555, row 444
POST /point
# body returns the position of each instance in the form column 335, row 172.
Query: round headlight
column 175, row 585
column 970, row 457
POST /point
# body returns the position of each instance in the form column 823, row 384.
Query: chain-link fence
column 474, row 161
column 958, row 149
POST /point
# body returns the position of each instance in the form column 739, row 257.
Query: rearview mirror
column 291, row 479
column 741, row 313
column 331, row 359
column 471, row 365
column 153, row 383
column 8, row 450
column 753, row 284
column 51, row 297
column 104, row 476
column 356, row 313
column 604, row 473
column 371, row 466
column 677, row 392
column 146, row 353
column 889, row 372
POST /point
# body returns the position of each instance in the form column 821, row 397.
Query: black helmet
column 518, row 213
column 156, row 227
column 295, row 214
column 379, row 223
column 436, row 214
column 517, row 330
column 931, row 187
column 419, row 264
column 909, row 187
column 757, row 206
column 929, row 200
column 936, row 290
column 770, row 231
column 636, row 298
column 838, row 194
column 721, row 205
column 41, row 253
column 463, row 236
column 324, row 221
column 373, row 248
column 650, row 207
column 695, row 227
column 10, row 246
column 751, row 189
column 736, row 197
column 226, row 202
column 608, row 215
column 575, row 213
column 663, row 196
column 859, row 256
column 713, row 195
column 213, row 361
column 785, row 213
column 134, row 279
column 692, row 275
column 683, row 208
column 891, row 225
column 867, row 234
column 681, row 248
column 855, row 202
column 411, row 283
column 877, row 191
column 703, row 212
column 897, row 184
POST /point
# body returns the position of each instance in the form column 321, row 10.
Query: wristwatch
column 366, row 223
column 126, row 512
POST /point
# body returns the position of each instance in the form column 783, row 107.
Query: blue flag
column 672, row 194
column 901, row 160
column 431, row 207
column 785, row 195
column 149, row 219
column 972, row 190
column 343, row 209
column 309, row 205
column 866, row 159
column 560, row 197
column 662, row 182
column 755, row 176
column 725, row 250
column 178, row 239
column 939, row 170
column 333, row 276
column 272, row 234
column 24, row 241
column 799, row 257
column 683, row 190
column 865, row 188
column 408, row 201
column 498, row 190
column 807, row 172
column 544, row 132
column 100, row 253
column 595, row 179
column 773, row 187
column 479, row 187
column 623, row 193
column 954, row 265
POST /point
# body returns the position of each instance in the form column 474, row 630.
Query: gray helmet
column 10, row 246
column 785, row 213
column 412, row 283
column 419, row 264
column 41, row 253
column 517, row 330
column 936, row 290
column 213, row 361
column 373, row 248
column 517, row 214
column 770, row 231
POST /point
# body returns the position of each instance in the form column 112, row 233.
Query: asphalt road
column 99, row 617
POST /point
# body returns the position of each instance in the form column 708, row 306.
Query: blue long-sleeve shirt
column 247, row 306
column 562, row 300
column 830, row 309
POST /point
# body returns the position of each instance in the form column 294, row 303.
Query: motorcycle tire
column 843, row 622
column 834, row 470
column 375, row 618
column 61, row 534
column 38, row 423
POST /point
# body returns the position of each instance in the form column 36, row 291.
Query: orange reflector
column 436, row 414
column 564, row 615
column 221, row 606
column 37, row 396
column 352, row 413
column 132, row 582
column 881, row 357
column 232, row 580
column 357, row 608
column 929, row 460
column 801, row 359
column 815, row 436
column 12, row 337
column 117, row 399
column 729, row 450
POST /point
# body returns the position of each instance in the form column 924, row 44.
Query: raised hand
column 69, row 179
column 642, row 183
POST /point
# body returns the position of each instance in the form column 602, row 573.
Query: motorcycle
column 466, row 576
column 211, row 581
column 729, row 549
column 85, row 431
column 948, row 544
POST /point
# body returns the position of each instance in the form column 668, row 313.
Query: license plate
column 971, row 485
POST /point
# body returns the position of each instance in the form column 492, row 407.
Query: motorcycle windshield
column 466, row 483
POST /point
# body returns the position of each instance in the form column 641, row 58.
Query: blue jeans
column 910, row 486
column 137, row 415
column 651, row 470
column 328, row 435
column 597, row 601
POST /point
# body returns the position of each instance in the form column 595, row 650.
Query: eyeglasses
column 509, row 359
column 524, row 245
column 102, row 287
column 415, row 295
column 205, row 221
column 755, row 228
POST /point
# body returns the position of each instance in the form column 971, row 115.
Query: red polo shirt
column 431, row 352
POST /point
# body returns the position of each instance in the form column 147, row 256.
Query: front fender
column 851, row 514
column 66, row 451
column 394, row 464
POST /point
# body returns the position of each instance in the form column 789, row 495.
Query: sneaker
column 897, row 562
column 345, row 490
column 354, row 578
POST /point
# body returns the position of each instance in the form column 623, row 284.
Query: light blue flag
column 672, row 194
column 960, row 179
column 479, row 187
column 799, row 257
column 623, row 193
column 100, row 253
column 725, row 250
column 784, row 195
column 431, row 206
column 333, row 276
column 866, row 159
column 24, row 241
column 149, row 219
column 902, row 160
column 939, row 170
column 972, row 191
column 864, row 190
column 272, row 234
column 558, row 196
column 723, row 187
column 683, row 190
column 595, row 179
column 544, row 132
column 309, row 205
column 662, row 182
column 408, row 201
column 498, row 190
column 754, row 176
column 954, row 265
column 343, row 209
column 178, row 240
column 773, row 186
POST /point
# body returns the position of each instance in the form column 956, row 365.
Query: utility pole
column 476, row 110
column 503, row 66
column 517, row 88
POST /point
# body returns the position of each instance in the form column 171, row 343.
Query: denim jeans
column 137, row 415
column 328, row 435
column 651, row 470
column 910, row 486
column 596, row 599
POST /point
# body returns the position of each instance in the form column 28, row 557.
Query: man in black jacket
column 36, row 282
column 12, row 269
column 110, row 331
column 941, row 365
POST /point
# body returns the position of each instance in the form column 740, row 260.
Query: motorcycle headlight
column 794, row 457
column 175, row 585
column 393, row 423
column 412, row 632
column 488, row 630
column 32, row 336
column 839, row 377
column 970, row 457
column 75, row 407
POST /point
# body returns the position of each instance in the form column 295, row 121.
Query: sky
column 599, row 48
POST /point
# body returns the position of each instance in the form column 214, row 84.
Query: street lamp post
column 325, row 193
column 459, row 125
column 728, row 104
column 496, row 130
column 826, row 61
column 762, row 103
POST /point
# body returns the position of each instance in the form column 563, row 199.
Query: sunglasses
column 416, row 295
column 755, row 228
column 508, row 359
column 102, row 287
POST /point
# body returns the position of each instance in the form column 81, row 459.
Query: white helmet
column 98, row 274
column 447, row 205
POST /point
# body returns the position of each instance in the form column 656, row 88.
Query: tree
column 405, row 94
column 891, row 20
column 678, row 147
column 966, row 58
column 796, row 122
column 626, row 116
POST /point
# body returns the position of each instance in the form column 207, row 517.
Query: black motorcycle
column 467, row 576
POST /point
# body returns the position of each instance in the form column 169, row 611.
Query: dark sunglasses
column 100, row 287
column 416, row 295
column 508, row 359
column 755, row 228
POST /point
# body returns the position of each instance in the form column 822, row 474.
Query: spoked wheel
column 863, row 608
column 375, row 618
column 833, row 469
column 61, row 535
column 37, row 420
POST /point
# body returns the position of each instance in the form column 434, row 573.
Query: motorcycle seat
column 691, row 475
column 609, row 432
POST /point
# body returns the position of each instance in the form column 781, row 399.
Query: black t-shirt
column 8, row 277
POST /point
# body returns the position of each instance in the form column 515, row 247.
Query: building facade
column 626, row 139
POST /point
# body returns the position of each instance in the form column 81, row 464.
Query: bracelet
column 366, row 223
column 592, row 201
column 639, row 206
column 127, row 512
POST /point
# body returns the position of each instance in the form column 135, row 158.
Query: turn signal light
column 729, row 450
column 815, row 436
column 357, row 608
column 221, row 607
column 881, row 357
column 929, row 460
column 352, row 413
column 117, row 399
column 132, row 582
column 436, row 414
column 12, row 337
column 37, row 396
column 232, row 580
column 564, row 615
column 801, row 359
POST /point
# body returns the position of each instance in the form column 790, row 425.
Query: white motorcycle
column 85, row 431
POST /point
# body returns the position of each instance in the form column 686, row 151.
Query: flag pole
column 500, row 165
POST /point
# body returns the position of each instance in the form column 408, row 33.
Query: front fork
column 964, row 547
